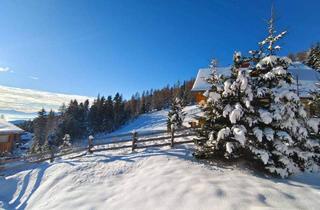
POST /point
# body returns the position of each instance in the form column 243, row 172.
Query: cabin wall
column 7, row 142
column 200, row 98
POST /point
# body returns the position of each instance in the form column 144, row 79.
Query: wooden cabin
column 9, row 136
column 306, row 77
column 200, row 84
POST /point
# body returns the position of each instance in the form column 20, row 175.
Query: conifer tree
column 66, row 141
column 108, row 120
column 175, row 115
column 253, row 116
column 313, row 59
column 39, row 128
column 119, row 112
column 286, row 137
column 50, row 127
column 227, row 101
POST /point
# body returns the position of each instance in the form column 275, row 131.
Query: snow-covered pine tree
column 314, row 62
column 175, row 115
column 266, row 124
column 66, row 142
column 280, row 136
column 213, row 119
column 315, row 105
column 228, row 100
column 313, row 59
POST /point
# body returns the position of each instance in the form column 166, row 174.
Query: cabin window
column 4, row 138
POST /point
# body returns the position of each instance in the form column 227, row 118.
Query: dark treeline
column 310, row 57
column 104, row 114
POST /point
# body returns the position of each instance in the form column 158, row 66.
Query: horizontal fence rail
column 139, row 140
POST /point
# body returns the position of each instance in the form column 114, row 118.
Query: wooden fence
column 134, row 140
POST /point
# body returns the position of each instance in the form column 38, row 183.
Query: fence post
column 90, row 144
column 51, row 155
column 134, row 140
column 172, row 136
column 51, row 148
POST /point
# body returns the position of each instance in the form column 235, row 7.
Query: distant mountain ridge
column 23, row 104
column 17, row 117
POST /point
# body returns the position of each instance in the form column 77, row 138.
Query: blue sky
column 90, row 47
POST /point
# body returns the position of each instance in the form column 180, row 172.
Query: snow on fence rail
column 115, row 142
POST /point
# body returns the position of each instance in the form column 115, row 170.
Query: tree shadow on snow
column 302, row 179
column 40, row 170
column 131, row 157
column 181, row 152
column 7, row 190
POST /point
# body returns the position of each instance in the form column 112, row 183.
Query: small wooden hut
column 9, row 135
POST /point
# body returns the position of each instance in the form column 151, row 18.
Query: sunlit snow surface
column 151, row 179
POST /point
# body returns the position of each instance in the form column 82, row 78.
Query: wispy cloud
column 5, row 69
column 34, row 77
column 30, row 101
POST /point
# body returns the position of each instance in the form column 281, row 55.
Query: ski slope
column 151, row 179
column 146, row 122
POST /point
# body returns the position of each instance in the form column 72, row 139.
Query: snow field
column 152, row 179
column 156, row 178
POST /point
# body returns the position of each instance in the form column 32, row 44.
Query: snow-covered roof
column 9, row 128
column 306, row 75
column 200, row 84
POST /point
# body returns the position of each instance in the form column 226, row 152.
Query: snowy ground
column 151, row 179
